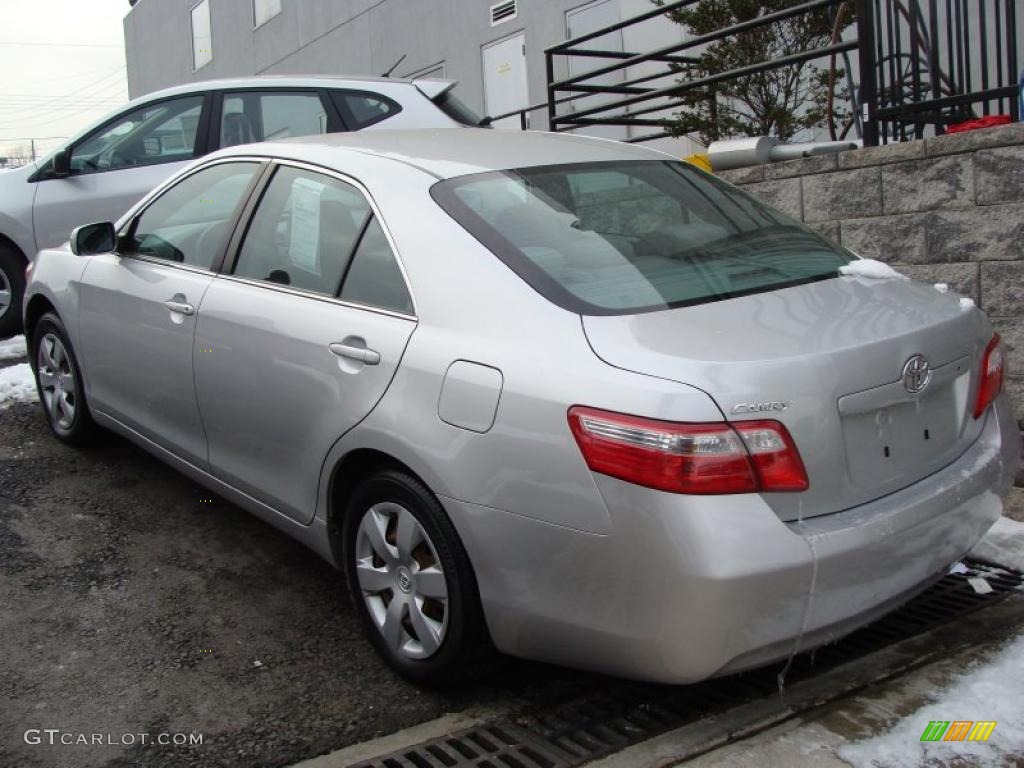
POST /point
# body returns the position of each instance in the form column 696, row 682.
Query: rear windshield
column 638, row 236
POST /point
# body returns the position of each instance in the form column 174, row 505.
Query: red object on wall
column 981, row 122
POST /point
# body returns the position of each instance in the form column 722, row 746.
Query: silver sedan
column 567, row 398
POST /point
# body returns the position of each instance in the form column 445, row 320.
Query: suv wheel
column 412, row 583
column 12, row 289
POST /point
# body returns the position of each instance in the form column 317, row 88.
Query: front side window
column 189, row 223
column 164, row 132
column 634, row 236
column 254, row 116
column 202, row 35
column 303, row 232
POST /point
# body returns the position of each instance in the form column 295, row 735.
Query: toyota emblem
column 917, row 374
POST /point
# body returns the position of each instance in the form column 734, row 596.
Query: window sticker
column 304, row 246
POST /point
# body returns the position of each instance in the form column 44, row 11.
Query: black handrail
column 918, row 66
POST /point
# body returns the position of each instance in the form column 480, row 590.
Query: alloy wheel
column 56, row 381
column 402, row 581
column 5, row 293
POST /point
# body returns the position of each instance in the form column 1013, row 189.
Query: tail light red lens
column 716, row 458
column 993, row 361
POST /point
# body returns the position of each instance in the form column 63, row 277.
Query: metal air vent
column 503, row 12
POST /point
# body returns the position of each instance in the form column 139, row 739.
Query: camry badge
column 766, row 407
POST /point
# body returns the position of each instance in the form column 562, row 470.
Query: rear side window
column 303, row 232
column 635, row 236
column 255, row 116
column 361, row 109
column 374, row 278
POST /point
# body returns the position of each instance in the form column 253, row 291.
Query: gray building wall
column 364, row 37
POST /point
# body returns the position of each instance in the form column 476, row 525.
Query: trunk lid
column 827, row 360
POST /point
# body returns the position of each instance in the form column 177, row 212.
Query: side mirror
column 62, row 163
column 91, row 239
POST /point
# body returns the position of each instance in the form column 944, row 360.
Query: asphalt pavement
column 134, row 602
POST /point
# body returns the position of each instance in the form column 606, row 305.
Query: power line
column 51, row 120
column 21, row 104
column 60, row 45
column 32, row 96
column 100, row 88
column 72, row 76
column 33, row 138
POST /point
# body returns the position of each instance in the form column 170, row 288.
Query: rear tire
column 12, row 290
column 59, row 382
column 412, row 582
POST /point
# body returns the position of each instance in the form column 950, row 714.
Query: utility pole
column 32, row 142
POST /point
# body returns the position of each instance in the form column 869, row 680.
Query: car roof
column 448, row 152
column 275, row 81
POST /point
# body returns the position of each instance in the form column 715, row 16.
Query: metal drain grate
column 598, row 723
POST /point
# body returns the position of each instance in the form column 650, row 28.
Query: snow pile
column 966, row 303
column 870, row 268
column 13, row 348
column 17, row 385
column 942, row 287
column 989, row 692
column 1003, row 545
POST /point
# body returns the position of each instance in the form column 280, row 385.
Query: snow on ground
column 869, row 268
column 13, row 348
column 1003, row 545
column 17, row 385
column 989, row 691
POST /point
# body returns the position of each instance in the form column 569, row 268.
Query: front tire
column 59, row 382
column 412, row 583
column 12, row 290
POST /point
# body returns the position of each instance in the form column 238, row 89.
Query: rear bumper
column 685, row 588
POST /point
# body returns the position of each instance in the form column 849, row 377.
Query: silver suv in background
column 102, row 171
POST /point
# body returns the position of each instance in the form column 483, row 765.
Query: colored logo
column 958, row 730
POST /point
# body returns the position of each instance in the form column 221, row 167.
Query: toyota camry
column 567, row 398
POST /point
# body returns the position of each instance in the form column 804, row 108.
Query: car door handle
column 181, row 307
column 362, row 354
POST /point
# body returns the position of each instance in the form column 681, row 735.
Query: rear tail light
column 992, row 364
column 717, row 458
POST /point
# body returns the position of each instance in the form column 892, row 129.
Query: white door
column 583, row 21
column 505, row 87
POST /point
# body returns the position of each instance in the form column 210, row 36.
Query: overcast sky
column 61, row 67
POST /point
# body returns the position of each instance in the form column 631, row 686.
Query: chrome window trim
column 313, row 295
column 352, row 181
column 165, row 262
